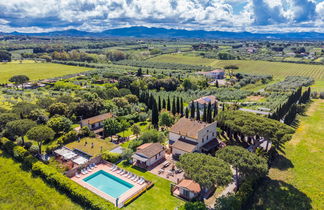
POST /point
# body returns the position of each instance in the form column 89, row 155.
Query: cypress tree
column 215, row 110
column 192, row 111
column 223, row 107
column 147, row 71
column 204, row 114
column 181, row 107
column 197, row 112
column 209, row 113
column 217, row 85
column 155, row 114
column 151, row 101
column 174, row 108
column 159, row 104
column 139, row 72
column 178, row 105
column 169, row 104
column 187, row 112
column 163, row 104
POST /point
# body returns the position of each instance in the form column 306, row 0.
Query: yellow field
column 36, row 71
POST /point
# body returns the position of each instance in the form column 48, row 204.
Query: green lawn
column 158, row 197
column 37, row 71
column 128, row 132
column 20, row 190
column 98, row 147
column 296, row 179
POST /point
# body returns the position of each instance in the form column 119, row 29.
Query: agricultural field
column 37, row 71
column 296, row 178
column 277, row 69
column 20, row 190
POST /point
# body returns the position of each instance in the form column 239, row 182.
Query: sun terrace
column 105, row 179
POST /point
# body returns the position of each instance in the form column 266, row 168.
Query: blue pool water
column 108, row 183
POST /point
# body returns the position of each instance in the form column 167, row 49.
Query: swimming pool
column 108, row 183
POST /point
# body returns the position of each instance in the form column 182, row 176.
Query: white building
column 188, row 135
column 215, row 74
column 149, row 155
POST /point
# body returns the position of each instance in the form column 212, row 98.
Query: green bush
column 19, row 153
column 68, row 137
column 34, row 149
column 111, row 157
column 72, row 189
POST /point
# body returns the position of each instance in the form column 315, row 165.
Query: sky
column 259, row 16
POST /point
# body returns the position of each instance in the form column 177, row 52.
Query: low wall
column 72, row 172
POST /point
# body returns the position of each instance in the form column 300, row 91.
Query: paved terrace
column 105, row 167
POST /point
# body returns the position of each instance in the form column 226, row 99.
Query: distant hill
column 145, row 32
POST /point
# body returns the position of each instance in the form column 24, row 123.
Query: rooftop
column 206, row 99
column 96, row 119
column 190, row 185
column 188, row 127
column 149, row 150
column 184, row 145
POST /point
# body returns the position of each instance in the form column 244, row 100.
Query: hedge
column 76, row 192
column 72, row 189
column 111, row 156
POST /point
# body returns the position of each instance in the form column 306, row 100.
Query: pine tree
column 197, row 112
column 155, row 114
column 192, row 111
column 205, row 114
column 159, row 104
column 163, row 104
column 174, row 108
column 187, row 112
column 169, row 104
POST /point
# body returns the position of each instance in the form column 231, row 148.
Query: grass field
column 158, row 197
column 20, row 190
column 296, row 179
column 92, row 146
column 129, row 132
column 37, row 71
column 277, row 69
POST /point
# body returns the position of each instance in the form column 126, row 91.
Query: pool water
column 108, row 183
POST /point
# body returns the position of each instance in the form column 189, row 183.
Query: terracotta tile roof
column 188, row 127
column 96, row 119
column 184, row 146
column 218, row 70
column 143, row 146
column 150, row 150
column 206, row 99
column 190, row 185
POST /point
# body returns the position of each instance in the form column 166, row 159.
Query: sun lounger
column 134, row 178
column 139, row 181
column 121, row 171
column 115, row 169
column 142, row 182
column 130, row 175
column 137, row 178
column 127, row 173
column 89, row 169
column 95, row 165
column 83, row 172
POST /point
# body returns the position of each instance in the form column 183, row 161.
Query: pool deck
column 124, row 197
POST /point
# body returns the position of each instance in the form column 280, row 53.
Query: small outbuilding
column 149, row 155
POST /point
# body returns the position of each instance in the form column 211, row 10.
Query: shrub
column 33, row 149
column 19, row 153
column 72, row 189
column 68, row 137
column 111, row 157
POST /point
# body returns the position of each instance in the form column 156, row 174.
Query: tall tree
column 192, row 110
column 20, row 128
column 40, row 133
column 111, row 127
column 155, row 115
column 206, row 170
column 204, row 114
column 197, row 112
column 136, row 130
column 168, row 104
column 163, row 104
column 174, row 109
column 187, row 112
column 209, row 113
column 215, row 109
column 245, row 163
column 139, row 72
column 178, row 105
column 181, row 107
column 159, row 104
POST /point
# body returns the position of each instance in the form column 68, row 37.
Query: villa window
column 213, row 133
column 207, row 137
column 203, row 140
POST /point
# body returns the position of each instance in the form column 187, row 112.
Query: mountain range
column 146, row 32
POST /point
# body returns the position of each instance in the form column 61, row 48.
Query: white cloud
column 96, row 15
